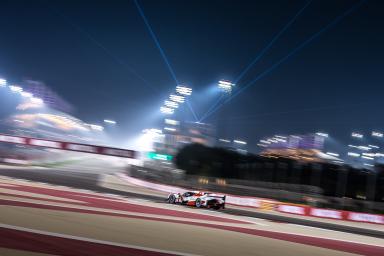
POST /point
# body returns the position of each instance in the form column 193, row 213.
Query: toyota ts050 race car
column 198, row 199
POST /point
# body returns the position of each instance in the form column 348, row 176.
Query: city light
column 280, row 140
column 15, row 88
column 367, row 157
column 26, row 94
column 157, row 156
column 379, row 155
column 171, row 104
column 364, row 148
column 373, row 146
column 225, row 140
column 322, row 134
column 357, row 135
column 226, row 86
column 170, row 129
column 152, row 131
column 166, row 110
column 333, row 154
column 377, row 134
column 352, row 154
column 37, row 100
column 369, row 154
column 240, row 142
column 242, row 151
column 177, row 98
column 172, row 122
column 96, row 127
column 183, row 90
column 3, row 82
column 109, row 121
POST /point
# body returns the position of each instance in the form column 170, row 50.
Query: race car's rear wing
column 218, row 196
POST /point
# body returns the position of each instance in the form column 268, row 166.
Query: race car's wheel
column 198, row 202
column 171, row 199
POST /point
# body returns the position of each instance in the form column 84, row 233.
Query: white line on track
column 334, row 239
column 310, row 227
column 85, row 239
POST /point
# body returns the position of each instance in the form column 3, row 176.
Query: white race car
column 198, row 199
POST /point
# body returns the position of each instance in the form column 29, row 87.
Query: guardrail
column 68, row 146
column 330, row 214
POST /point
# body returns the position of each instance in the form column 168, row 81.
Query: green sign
column 156, row 156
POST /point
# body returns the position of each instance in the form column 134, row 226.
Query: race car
column 199, row 199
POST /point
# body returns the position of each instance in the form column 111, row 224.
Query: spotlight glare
column 353, row 154
column 171, row 104
column 377, row 134
column 172, row 122
column 183, row 90
column 177, row 98
column 109, row 121
column 170, row 129
column 240, row 142
column 322, row 134
column 37, row 100
column 333, row 154
column 3, row 82
column 26, row 94
column 225, row 86
column 15, row 88
column 166, row 110
column 357, row 135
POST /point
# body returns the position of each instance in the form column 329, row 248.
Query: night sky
column 100, row 57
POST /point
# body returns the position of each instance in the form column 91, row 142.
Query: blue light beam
column 274, row 39
column 263, row 51
column 156, row 41
column 193, row 112
column 106, row 50
column 161, row 50
column 212, row 107
column 293, row 52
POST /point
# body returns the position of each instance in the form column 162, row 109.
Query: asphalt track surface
column 43, row 219
column 89, row 181
column 140, row 223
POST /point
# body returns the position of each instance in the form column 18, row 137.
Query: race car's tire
column 198, row 202
column 172, row 199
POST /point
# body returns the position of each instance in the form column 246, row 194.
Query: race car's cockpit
column 188, row 194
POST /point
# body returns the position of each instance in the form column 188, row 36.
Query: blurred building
column 51, row 99
column 306, row 147
column 307, row 141
column 42, row 113
column 178, row 134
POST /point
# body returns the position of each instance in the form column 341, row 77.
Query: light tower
column 225, row 88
